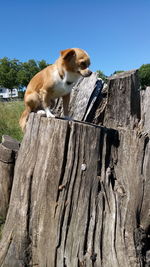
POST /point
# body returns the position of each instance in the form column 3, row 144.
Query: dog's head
column 76, row 60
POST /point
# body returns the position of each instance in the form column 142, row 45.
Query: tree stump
column 80, row 197
column 8, row 154
column 120, row 102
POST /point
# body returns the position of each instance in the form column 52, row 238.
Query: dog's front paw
column 41, row 113
column 50, row 115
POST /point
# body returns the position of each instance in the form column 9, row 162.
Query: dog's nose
column 86, row 73
column 89, row 72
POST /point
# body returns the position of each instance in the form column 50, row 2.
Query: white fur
column 41, row 112
column 61, row 87
column 86, row 53
column 48, row 113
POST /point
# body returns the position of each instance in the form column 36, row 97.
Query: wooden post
column 8, row 154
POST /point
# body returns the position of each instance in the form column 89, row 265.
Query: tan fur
column 55, row 81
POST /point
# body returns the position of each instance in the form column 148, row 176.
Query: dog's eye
column 83, row 65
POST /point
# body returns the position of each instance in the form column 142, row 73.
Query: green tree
column 8, row 72
column 16, row 74
column 28, row 70
column 42, row 64
column 117, row 71
column 144, row 75
column 102, row 75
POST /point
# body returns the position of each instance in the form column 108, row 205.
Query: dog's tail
column 24, row 117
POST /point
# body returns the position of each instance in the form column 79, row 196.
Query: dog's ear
column 67, row 54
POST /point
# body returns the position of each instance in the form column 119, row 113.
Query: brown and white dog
column 55, row 81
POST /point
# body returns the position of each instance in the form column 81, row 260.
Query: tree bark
column 80, row 195
column 8, row 154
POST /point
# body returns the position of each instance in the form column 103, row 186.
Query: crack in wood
column 63, row 165
column 146, row 141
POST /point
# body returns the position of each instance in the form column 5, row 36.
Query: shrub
column 144, row 75
column 102, row 75
column 118, row 71
column 21, row 94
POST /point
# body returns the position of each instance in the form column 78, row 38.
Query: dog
column 54, row 81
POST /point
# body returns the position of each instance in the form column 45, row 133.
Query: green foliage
column 102, row 75
column 118, row 71
column 16, row 74
column 42, row 64
column 8, row 72
column 144, row 75
column 9, row 119
column 27, row 71
column 21, row 94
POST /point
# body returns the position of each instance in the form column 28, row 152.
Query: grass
column 9, row 119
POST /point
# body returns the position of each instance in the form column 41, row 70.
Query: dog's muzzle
column 86, row 73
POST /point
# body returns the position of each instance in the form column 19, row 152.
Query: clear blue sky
column 115, row 33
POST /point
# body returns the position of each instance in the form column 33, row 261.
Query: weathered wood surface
column 43, row 196
column 114, row 105
column 80, row 197
column 8, row 151
column 80, row 194
column 122, row 104
column 145, row 109
column 84, row 98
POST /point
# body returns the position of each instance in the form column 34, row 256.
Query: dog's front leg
column 49, row 113
column 46, row 104
column 66, row 100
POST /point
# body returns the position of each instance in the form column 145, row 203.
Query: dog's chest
column 61, row 86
